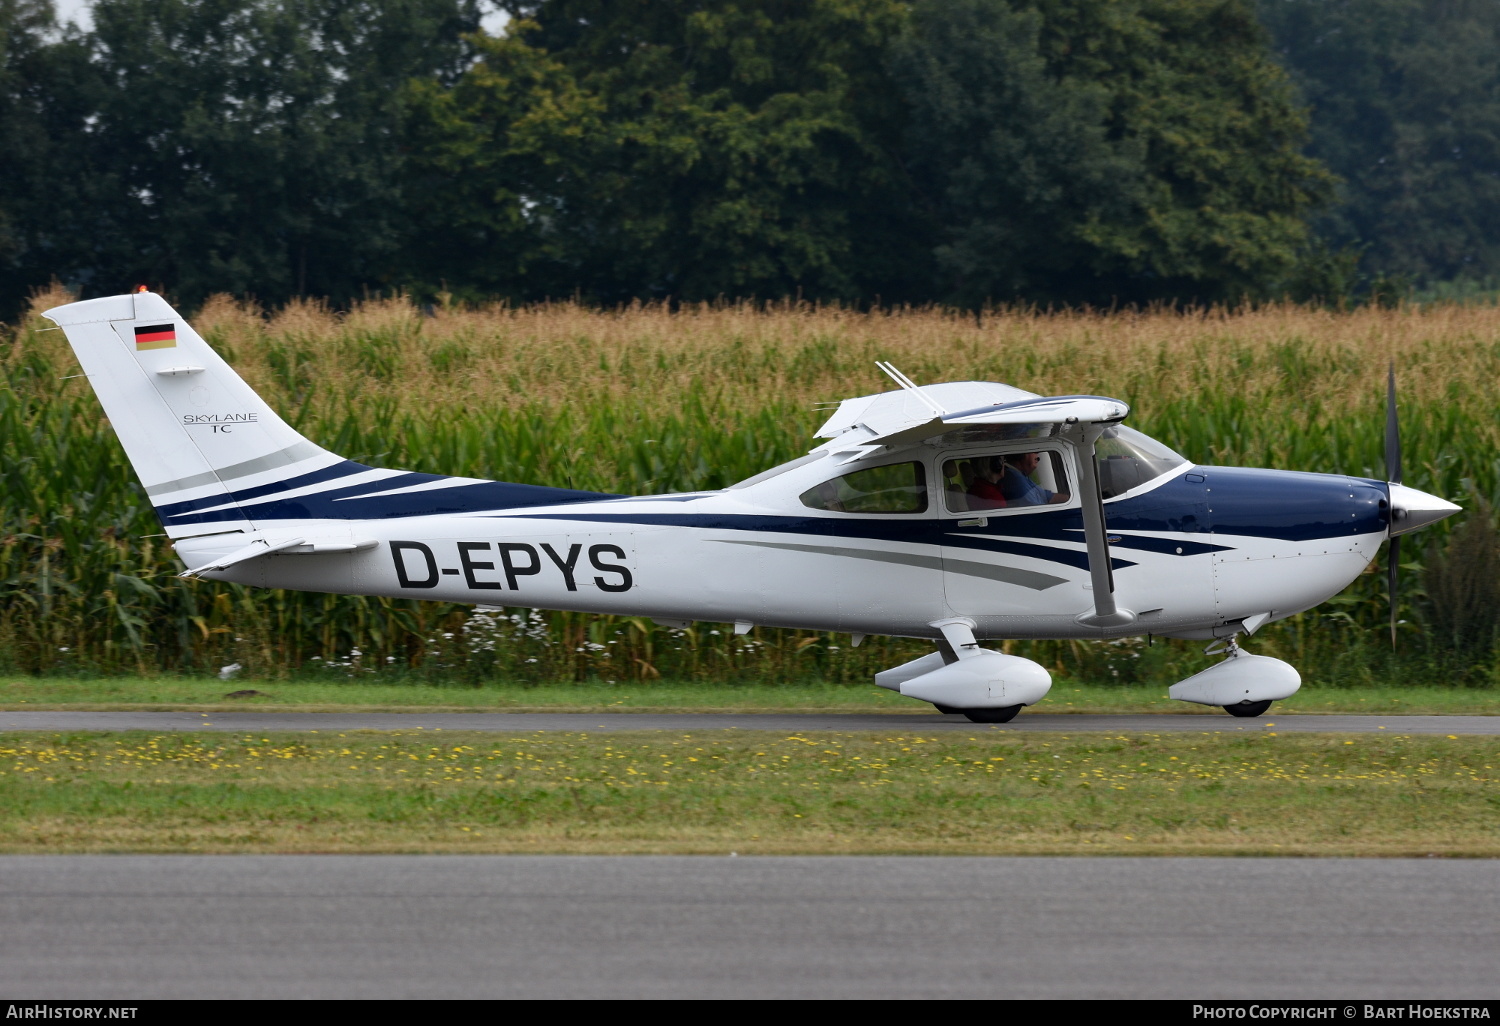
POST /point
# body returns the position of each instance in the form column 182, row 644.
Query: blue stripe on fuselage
column 1229, row 501
column 333, row 473
column 260, row 503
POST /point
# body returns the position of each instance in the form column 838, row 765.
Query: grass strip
column 751, row 792
column 207, row 695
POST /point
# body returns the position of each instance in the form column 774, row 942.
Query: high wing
column 1058, row 409
column 864, row 426
column 919, row 412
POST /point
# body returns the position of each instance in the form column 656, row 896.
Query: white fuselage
column 1187, row 561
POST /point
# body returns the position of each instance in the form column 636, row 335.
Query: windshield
column 1128, row 459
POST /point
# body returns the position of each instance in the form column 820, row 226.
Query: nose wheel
column 1247, row 709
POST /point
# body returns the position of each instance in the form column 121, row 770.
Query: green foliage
column 1080, row 152
column 492, row 162
column 249, row 146
column 1015, row 163
column 644, row 402
column 1055, row 151
column 961, row 150
column 668, row 149
column 1405, row 98
column 1463, row 584
column 48, row 184
column 22, row 24
column 886, row 151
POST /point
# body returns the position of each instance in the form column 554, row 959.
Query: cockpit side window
column 894, row 488
column 1128, row 459
column 1007, row 480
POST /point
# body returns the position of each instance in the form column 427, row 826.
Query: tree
column 1080, row 151
column 496, row 163
column 256, row 143
column 687, row 149
column 1012, row 161
column 22, row 23
column 1406, row 109
column 47, row 182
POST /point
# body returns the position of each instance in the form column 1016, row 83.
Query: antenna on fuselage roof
column 912, row 387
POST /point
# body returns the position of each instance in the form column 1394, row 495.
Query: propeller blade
column 1392, row 431
column 1393, row 554
column 1392, row 475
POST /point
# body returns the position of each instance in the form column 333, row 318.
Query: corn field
column 647, row 399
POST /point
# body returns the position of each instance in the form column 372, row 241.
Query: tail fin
column 214, row 458
column 193, row 430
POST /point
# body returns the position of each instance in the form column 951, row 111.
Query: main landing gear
column 1248, row 709
column 1002, row 715
column 962, row 679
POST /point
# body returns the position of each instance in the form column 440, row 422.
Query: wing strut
column 1091, row 498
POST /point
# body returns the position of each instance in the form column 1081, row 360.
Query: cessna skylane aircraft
column 959, row 512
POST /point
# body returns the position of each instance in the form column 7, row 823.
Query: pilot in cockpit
column 1018, row 487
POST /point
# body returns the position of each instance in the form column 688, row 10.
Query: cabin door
column 1012, row 539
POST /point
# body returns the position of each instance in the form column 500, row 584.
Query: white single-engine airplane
column 957, row 512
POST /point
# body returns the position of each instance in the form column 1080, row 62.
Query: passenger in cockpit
column 985, row 492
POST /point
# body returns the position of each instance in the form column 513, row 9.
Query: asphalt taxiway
column 788, row 722
column 287, row 926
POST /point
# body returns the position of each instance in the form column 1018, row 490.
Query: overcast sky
column 74, row 11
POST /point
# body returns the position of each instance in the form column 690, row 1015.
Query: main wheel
column 1248, row 709
column 1004, row 715
column 946, row 710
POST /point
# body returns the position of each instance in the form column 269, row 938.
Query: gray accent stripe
column 1005, row 574
column 1032, row 579
column 285, row 458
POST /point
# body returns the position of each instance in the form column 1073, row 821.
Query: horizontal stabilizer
column 258, row 547
column 292, row 545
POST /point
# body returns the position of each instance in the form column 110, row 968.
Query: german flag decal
column 155, row 336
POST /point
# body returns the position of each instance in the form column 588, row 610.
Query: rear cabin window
column 894, row 488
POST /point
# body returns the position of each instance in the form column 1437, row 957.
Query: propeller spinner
column 1411, row 510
